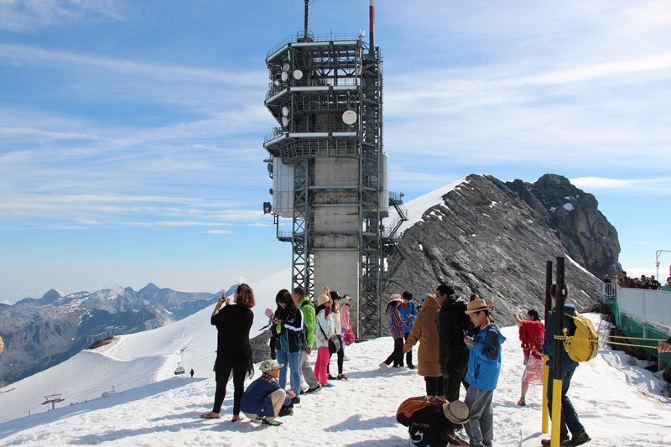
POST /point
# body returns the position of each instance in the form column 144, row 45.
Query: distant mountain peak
column 150, row 288
column 52, row 295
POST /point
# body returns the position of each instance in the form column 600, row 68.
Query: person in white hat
column 397, row 324
column 264, row 400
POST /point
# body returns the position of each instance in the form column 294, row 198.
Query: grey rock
column 494, row 238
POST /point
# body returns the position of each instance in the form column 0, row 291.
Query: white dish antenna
column 298, row 75
column 285, row 67
column 284, row 76
column 285, row 121
column 349, row 117
column 276, row 82
column 285, row 111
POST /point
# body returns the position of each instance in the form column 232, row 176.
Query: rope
column 570, row 338
column 635, row 338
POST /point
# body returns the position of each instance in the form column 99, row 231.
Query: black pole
column 307, row 19
column 548, row 286
column 559, row 319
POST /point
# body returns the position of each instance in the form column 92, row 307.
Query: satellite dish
column 349, row 117
column 276, row 82
column 285, row 67
column 298, row 75
column 284, row 76
column 285, row 111
column 285, row 121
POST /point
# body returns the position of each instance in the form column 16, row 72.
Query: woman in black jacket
column 290, row 344
column 234, row 353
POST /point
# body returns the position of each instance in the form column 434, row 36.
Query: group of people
column 297, row 327
column 460, row 345
column 644, row 282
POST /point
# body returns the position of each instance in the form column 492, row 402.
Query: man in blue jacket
column 263, row 399
column 408, row 312
column 569, row 417
column 484, row 365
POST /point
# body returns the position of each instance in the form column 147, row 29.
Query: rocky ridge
column 494, row 238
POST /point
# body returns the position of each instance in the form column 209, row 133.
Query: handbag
column 334, row 341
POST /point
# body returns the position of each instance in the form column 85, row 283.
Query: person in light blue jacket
column 484, row 366
column 408, row 312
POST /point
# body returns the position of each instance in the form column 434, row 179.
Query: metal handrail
column 314, row 38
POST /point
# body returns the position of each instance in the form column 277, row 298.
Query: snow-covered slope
column 610, row 394
column 134, row 360
column 416, row 207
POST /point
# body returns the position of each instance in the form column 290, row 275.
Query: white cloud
column 219, row 232
column 28, row 15
column 660, row 185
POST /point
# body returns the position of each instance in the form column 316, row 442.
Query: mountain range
column 39, row 333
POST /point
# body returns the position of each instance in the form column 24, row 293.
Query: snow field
column 614, row 404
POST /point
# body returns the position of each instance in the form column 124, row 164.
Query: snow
column 568, row 206
column 572, row 261
column 419, row 205
column 612, row 394
column 137, row 359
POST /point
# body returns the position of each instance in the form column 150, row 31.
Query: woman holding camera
column 234, row 353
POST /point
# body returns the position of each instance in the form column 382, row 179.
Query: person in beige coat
column 425, row 331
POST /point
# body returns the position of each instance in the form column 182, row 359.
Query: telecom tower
column 329, row 168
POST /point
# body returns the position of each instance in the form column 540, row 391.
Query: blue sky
column 131, row 131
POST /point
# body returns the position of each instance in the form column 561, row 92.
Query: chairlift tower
column 52, row 399
column 329, row 168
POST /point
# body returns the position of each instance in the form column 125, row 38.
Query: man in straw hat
column 264, row 400
column 484, row 365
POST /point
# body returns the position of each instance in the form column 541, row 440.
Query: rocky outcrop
column 494, row 238
column 40, row 333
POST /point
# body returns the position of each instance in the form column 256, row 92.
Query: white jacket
column 323, row 326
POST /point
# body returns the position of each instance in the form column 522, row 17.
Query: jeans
column 569, row 418
column 292, row 360
column 480, row 426
column 434, row 386
column 307, row 372
column 397, row 355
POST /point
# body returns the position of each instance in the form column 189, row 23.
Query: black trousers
column 397, row 355
column 273, row 343
column 222, row 373
column 434, row 386
column 408, row 355
column 341, row 357
column 452, row 384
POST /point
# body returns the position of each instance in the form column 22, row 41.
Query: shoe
column 402, row 368
column 342, row 377
column 330, row 377
column 562, row 443
column 313, row 390
column 521, row 402
column 411, row 366
column 271, row 422
column 286, row 411
column 327, row 385
column 582, row 438
column 383, row 365
column 296, row 400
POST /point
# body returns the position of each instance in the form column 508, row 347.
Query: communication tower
column 329, row 168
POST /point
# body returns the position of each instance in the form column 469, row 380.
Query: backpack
column 410, row 406
column 584, row 343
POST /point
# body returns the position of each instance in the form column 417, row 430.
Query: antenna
column 307, row 19
column 371, row 25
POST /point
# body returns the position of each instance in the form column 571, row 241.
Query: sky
column 131, row 131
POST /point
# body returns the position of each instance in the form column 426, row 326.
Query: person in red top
column 532, row 335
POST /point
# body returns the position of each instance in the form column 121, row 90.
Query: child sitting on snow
column 432, row 421
column 264, row 400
